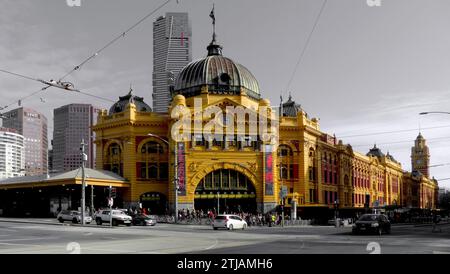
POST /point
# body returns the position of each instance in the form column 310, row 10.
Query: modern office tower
column 171, row 52
column 12, row 154
column 72, row 124
column 33, row 126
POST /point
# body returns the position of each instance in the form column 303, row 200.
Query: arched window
column 113, row 159
column 152, row 162
column 285, row 162
column 225, row 180
column 152, row 148
column 312, row 165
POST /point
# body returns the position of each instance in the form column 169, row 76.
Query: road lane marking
column 30, row 239
column 214, row 245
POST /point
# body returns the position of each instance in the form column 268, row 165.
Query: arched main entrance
column 228, row 189
column 154, row 202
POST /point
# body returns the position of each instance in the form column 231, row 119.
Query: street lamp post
column 175, row 179
column 281, row 191
column 83, row 182
column 336, row 205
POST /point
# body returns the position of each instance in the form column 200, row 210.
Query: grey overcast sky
column 366, row 70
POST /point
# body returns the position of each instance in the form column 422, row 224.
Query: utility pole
column 83, row 182
column 110, row 201
column 92, row 201
column 175, row 180
column 282, row 193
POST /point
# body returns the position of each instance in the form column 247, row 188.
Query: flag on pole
column 212, row 15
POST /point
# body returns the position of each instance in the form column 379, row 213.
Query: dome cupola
column 219, row 74
column 121, row 105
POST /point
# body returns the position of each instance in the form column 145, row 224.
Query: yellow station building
column 314, row 169
column 306, row 170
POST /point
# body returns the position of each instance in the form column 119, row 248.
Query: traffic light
column 113, row 192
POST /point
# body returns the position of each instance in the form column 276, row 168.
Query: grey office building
column 72, row 124
column 33, row 126
column 171, row 53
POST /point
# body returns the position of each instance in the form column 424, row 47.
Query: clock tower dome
column 420, row 156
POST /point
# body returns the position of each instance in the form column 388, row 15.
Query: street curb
column 36, row 222
column 47, row 223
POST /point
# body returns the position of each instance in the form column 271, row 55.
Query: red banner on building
column 268, row 171
column 181, row 171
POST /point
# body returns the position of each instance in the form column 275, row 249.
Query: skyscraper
column 72, row 124
column 12, row 153
column 420, row 156
column 33, row 126
column 171, row 52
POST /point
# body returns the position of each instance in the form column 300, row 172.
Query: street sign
column 110, row 202
column 283, row 192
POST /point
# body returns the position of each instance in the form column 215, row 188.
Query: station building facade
column 306, row 171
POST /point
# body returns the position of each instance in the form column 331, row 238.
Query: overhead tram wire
column 403, row 142
column 390, row 132
column 82, row 63
column 306, row 44
column 18, row 75
column 48, row 85
column 122, row 35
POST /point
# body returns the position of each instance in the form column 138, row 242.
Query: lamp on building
column 175, row 179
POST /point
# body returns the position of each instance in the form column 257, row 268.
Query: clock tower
column 420, row 156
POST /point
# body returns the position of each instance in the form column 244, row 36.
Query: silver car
column 73, row 216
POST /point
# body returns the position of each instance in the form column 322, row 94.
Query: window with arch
column 285, row 162
column 312, row 165
column 113, row 160
column 225, row 179
column 153, row 162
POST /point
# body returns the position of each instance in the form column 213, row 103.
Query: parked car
column 118, row 217
column 73, row 216
column 377, row 223
column 229, row 222
column 333, row 222
column 142, row 219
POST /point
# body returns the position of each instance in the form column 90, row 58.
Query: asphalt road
column 31, row 238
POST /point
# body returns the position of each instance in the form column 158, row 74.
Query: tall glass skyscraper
column 171, row 52
column 73, row 123
column 33, row 126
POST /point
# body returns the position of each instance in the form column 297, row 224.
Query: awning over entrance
column 74, row 177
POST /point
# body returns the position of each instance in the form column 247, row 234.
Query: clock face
column 419, row 161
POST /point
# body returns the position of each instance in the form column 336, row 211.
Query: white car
column 74, row 216
column 229, row 222
column 118, row 217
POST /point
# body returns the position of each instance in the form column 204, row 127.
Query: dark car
column 372, row 223
column 142, row 219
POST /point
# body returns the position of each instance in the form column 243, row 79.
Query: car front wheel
column 61, row 220
column 230, row 227
column 98, row 221
column 244, row 227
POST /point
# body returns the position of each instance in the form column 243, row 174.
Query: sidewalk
column 46, row 221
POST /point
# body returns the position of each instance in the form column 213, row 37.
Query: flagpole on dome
column 213, row 16
column 213, row 48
